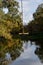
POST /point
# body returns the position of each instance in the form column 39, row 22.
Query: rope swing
column 22, row 9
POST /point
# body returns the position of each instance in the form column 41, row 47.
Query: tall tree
column 36, row 26
column 11, row 21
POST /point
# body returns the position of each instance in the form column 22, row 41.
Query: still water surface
column 29, row 56
column 23, row 53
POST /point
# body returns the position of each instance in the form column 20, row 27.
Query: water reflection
column 39, row 51
column 26, row 44
column 11, row 52
column 22, row 52
column 27, row 57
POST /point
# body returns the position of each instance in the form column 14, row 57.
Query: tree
column 11, row 21
column 36, row 26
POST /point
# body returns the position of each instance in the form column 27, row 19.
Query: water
column 28, row 57
column 27, row 53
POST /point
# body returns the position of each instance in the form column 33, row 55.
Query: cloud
column 29, row 7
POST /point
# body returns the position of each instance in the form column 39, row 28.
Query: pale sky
column 29, row 7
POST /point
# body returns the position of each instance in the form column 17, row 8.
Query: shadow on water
column 23, row 51
column 9, row 53
column 39, row 51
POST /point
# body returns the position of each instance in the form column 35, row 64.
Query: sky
column 29, row 7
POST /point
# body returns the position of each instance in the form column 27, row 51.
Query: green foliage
column 11, row 21
column 36, row 25
column 14, row 49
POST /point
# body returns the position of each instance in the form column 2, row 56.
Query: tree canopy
column 36, row 25
column 11, row 21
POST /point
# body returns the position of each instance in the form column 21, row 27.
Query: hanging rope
column 22, row 13
column 22, row 9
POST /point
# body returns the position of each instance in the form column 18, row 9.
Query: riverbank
column 29, row 37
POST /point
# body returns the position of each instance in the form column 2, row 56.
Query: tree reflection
column 39, row 51
column 13, row 49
